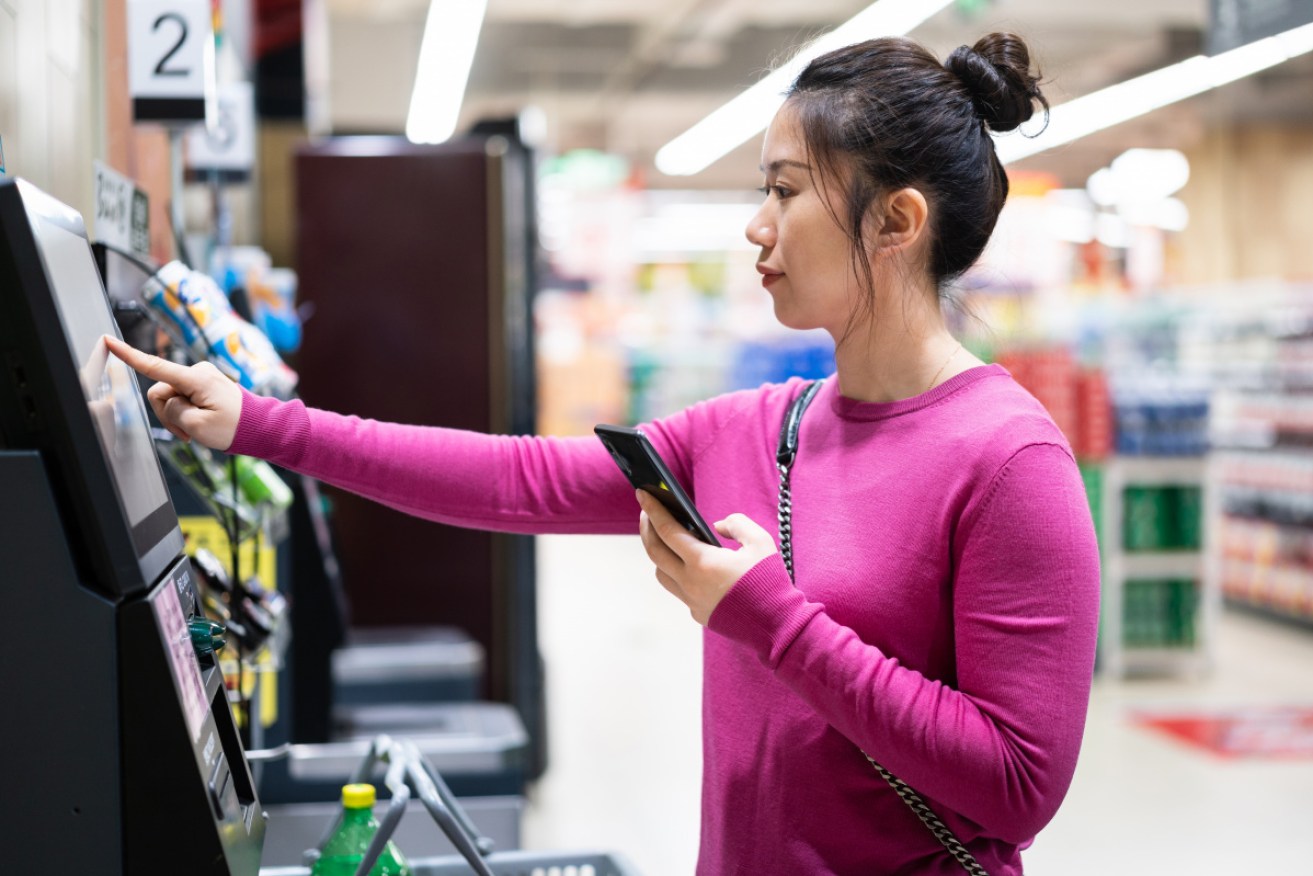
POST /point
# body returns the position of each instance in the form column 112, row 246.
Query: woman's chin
column 791, row 319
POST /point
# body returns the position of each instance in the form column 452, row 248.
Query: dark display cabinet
column 417, row 268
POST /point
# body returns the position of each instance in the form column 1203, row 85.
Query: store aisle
column 623, row 673
column 624, row 685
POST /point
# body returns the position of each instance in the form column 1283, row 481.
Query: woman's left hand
column 697, row 573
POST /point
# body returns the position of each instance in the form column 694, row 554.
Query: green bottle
column 346, row 848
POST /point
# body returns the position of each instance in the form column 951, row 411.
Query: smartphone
column 644, row 468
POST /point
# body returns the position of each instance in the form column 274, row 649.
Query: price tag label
column 230, row 145
column 170, row 60
column 122, row 216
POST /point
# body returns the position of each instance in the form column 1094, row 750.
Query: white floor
column 623, row 687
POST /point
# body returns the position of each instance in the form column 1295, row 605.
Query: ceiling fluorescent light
column 748, row 114
column 1143, row 94
column 451, row 33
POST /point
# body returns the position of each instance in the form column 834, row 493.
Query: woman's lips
column 768, row 276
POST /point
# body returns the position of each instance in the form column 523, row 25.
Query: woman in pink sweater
column 941, row 617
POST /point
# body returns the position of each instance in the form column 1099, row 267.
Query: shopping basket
column 407, row 769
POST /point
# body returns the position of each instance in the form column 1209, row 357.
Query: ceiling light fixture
column 1143, row 94
column 451, row 33
column 748, row 114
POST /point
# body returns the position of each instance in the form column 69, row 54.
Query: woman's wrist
column 271, row 429
column 764, row 611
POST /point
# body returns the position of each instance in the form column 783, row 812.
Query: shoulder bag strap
column 785, row 454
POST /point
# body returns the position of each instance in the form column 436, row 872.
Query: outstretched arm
column 499, row 482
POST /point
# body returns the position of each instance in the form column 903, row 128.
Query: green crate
column 1159, row 612
column 1184, row 610
column 1092, row 477
column 1188, row 517
column 1146, row 518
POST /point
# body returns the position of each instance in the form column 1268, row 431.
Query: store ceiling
column 628, row 75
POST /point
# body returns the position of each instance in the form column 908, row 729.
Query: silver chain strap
column 913, row 800
column 785, row 518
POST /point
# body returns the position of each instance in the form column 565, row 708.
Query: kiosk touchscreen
column 82, row 406
column 124, row 756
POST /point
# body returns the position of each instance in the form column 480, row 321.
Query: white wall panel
column 62, row 135
column 50, row 95
column 8, row 74
column 28, row 154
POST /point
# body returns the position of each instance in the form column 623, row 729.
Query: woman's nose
column 761, row 231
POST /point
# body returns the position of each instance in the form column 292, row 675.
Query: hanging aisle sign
column 171, row 60
column 229, row 146
column 1233, row 23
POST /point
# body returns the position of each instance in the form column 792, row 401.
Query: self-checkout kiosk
column 122, row 752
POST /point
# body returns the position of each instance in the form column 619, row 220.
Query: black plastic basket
column 407, row 769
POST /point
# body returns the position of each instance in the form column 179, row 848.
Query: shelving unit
column 1157, row 574
column 1264, row 549
column 1257, row 351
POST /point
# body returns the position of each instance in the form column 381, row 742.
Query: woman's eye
column 780, row 191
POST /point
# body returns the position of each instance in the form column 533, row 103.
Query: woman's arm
column 508, row 483
column 1000, row 748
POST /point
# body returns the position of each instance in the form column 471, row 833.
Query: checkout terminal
column 123, row 756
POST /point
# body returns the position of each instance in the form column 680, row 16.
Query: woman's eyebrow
column 774, row 166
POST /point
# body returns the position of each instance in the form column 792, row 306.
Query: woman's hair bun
column 996, row 70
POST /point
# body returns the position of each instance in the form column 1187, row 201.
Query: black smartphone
column 644, row 468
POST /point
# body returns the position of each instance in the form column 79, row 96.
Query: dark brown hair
column 891, row 113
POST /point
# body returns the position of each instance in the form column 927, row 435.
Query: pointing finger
column 177, row 376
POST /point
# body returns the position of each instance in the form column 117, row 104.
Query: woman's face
column 806, row 257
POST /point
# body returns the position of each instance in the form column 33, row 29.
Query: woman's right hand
column 197, row 403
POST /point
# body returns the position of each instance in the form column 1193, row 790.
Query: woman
column 944, row 612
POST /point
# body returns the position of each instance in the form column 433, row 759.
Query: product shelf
column 1162, row 564
column 1159, row 605
column 1258, row 352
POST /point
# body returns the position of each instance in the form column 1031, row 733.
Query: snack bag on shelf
column 270, row 292
column 200, row 313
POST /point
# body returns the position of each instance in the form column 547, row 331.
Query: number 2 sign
column 170, row 60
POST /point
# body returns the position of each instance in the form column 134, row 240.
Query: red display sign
column 1277, row 732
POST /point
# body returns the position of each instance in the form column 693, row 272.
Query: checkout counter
column 123, row 750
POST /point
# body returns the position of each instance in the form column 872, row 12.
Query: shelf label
column 171, row 60
column 122, row 215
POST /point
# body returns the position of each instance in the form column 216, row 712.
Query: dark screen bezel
column 120, row 558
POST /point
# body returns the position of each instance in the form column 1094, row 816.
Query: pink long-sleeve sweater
column 943, row 620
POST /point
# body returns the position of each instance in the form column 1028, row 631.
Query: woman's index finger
column 177, row 376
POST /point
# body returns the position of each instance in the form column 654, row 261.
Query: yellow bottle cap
column 358, row 796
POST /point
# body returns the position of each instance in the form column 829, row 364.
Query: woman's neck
column 899, row 353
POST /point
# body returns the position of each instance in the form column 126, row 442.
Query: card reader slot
column 232, row 748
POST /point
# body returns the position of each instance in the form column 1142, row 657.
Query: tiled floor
column 623, row 676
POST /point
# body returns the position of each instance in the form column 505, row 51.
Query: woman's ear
column 905, row 215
